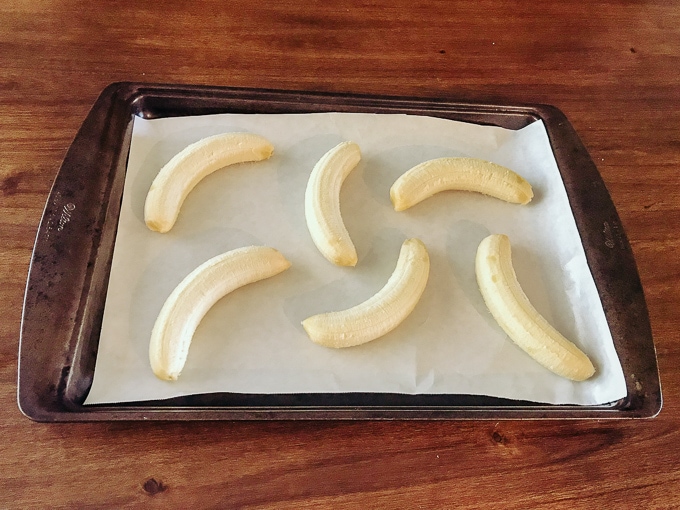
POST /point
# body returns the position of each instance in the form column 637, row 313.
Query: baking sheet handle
column 62, row 304
column 612, row 263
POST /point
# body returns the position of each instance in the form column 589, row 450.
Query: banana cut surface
column 196, row 294
column 381, row 313
column 464, row 174
column 322, row 204
column 511, row 308
column 186, row 169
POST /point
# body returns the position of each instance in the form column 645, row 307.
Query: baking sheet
column 252, row 341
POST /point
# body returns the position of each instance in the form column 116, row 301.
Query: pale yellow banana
column 511, row 308
column 466, row 174
column 196, row 294
column 186, row 169
column 381, row 313
column 322, row 204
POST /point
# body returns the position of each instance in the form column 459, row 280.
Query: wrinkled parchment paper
column 252, row 341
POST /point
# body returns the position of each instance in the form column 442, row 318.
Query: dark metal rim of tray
column 69, row 270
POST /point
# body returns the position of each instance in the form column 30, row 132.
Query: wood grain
column 611, row 66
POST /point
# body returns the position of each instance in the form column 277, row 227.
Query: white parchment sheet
column 252, row 341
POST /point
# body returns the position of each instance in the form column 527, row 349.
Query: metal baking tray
column 69, row 271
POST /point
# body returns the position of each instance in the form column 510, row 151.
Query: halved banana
column 186, row 169
column 466, row 174
column 196, row 294
column 381, row 313
column 511, row 308
column 322, row 204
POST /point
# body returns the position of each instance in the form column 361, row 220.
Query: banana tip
column 345, row 259
column 585, row 374
column 307, row 325
column 164, row 375
column 397, row 201
column 157, row 226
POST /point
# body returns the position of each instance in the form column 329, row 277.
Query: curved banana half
column 186, row 169
column 381, row 313
column 466, row 174
column 511, row 308
column 196, row 294
column 322, row 204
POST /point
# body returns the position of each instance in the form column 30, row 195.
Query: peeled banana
column 467, row 174
column 381, row 313
column 511, row 308
column 322, row 204
column 179, row 176
column 196, row 294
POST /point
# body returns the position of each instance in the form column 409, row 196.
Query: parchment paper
column 252, row 341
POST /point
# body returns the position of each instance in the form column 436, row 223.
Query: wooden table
column 611, row 67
